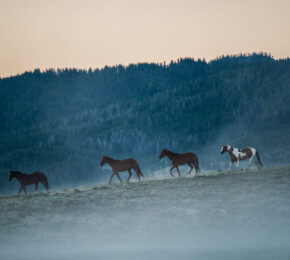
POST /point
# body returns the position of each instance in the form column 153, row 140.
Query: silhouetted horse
column 121, row 166
column 179, row 159
column 28, row 179
column 237, row 155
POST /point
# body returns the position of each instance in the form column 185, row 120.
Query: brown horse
column 28, row 179
column 121, row 166
column 179, row 159
column 237, row 155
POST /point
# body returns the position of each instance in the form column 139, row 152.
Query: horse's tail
column 259, row 158
column 45, row 182
column 197, row 165
column 139, row 171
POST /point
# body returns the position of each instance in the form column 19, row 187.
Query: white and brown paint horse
column 237, row 155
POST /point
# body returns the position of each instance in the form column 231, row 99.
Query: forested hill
column 62, row 121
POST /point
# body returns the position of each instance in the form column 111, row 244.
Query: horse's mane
column 17, row 172
column 169, row 152
column 108, row 157
column 229, row 147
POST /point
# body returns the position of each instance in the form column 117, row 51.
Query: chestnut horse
column 28, row 179
column 179, row 159
column 236, row 155
column 121, row 166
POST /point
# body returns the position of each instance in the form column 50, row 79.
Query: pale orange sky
column 85, row 33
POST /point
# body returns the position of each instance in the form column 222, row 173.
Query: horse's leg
column 250, row 160
column 196, row 167
column 257, row 163
column 189, row 164
column 237, row 164
column 137, row 173
column 36, row 186
column 44, row 184
column 20, row 189
column 178, row 171
column 24, row 190
column 119, row 177
column 130, row 174
column 230, row 165
column 111, row 177
column 171, row 170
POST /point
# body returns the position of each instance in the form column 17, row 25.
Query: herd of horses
column 177, row 159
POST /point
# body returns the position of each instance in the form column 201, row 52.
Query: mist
column 216, row 215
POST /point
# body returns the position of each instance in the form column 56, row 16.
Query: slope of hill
column 217, row 215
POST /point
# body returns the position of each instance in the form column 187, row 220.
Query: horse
column 180, row 159
column 236, row 155
column 29, row 179
column 121, row 166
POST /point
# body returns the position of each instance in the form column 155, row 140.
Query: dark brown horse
column 29, row 179
column 121, row 166
column 180, row 159
column 236, row 155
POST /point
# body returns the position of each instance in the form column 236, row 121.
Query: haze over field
column 217, row 215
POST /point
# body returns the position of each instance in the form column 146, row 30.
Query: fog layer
column 217, row 215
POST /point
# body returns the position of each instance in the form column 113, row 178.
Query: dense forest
column 63, row 121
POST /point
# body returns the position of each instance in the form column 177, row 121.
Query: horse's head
column 163, row 153
column 11, row 175
column 103, row 161
column 224, row 148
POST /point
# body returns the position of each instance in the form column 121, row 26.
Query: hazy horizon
column 93, row 34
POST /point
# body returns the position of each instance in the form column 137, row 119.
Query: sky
column 92, row 34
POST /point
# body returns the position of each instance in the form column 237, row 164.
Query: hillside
column 217, row 215
column 63, row 121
